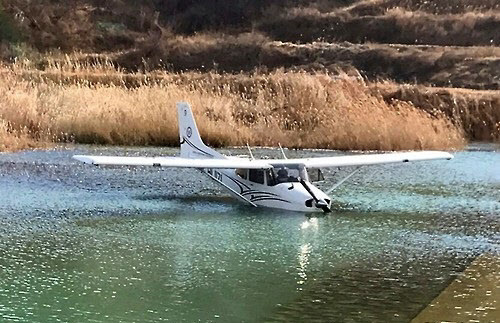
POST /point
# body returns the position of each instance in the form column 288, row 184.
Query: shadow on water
column 222, row 200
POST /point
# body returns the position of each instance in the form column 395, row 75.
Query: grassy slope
column 319, row 37
column 133, row 35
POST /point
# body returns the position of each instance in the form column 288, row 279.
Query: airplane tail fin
column 191, row 144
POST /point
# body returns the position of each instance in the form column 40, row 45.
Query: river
column 85, row 243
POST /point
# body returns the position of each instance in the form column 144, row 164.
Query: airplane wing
column 365, row 159
column 174, row 162
column 233, row 163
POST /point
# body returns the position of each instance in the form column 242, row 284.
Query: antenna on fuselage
column 250, row 151
column 282, row 151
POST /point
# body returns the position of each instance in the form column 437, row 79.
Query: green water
column 81, row 243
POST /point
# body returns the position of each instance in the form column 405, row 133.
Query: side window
column 256, row 176
column 315, row 175
column 242, row 173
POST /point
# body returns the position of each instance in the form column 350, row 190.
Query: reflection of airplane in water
column 277, row 183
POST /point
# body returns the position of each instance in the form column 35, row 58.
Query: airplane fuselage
column 292, row 196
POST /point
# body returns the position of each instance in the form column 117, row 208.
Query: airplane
column 275, row 183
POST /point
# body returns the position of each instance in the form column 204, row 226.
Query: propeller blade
column 319, row 203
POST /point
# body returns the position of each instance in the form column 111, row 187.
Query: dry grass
column 477, row 112
column 11, row 140
column 296, row 109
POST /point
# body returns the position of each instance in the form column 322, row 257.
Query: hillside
column 452, row 43
column 448, row 51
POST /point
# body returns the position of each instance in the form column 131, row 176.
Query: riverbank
column 472, row 296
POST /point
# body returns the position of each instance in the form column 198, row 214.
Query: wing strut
column 282, row 151
column 238, row 195
column 343, row 180
column 250, row 151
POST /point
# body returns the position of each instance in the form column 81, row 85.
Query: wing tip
column 449, row 156
column 440, row 154
column 84, row 159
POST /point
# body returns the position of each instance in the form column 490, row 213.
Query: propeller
column 319, row 203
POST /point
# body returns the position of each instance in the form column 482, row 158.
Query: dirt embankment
column 395, row 26
column 467, row 67
column 149, row 35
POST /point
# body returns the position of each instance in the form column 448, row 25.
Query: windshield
column 286, row 174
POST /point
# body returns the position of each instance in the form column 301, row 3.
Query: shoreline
column 472, row 296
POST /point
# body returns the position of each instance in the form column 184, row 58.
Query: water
column 83, row 243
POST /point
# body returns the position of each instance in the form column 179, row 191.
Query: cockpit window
column 287, row 174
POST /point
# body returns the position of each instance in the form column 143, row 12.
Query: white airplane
column 275, row 183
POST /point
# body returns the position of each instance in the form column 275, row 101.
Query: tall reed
column 295, row 109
